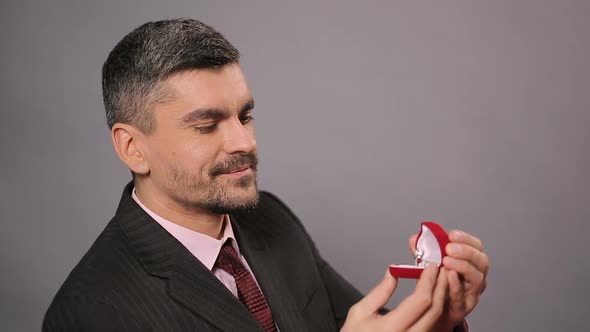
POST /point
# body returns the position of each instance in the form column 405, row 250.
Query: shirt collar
column 204, row 247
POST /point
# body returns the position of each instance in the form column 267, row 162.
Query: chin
column 233, row 198
column 247, row 198
column 244, row 189
column 244, row 201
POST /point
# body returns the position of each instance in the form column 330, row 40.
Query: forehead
column 212, row 87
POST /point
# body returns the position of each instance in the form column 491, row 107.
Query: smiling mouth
column 244, row 170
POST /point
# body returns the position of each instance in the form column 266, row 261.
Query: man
column 193, row 245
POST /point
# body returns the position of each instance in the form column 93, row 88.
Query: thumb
column 412, row 243
column 378, row 297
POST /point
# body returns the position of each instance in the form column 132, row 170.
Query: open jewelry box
column 430, row 248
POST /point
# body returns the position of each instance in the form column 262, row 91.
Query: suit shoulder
column 87, row 314
column 103, row 267
column 267, row 195
column 272, row 217
column 270, row 201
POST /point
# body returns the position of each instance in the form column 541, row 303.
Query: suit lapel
column 190, row 282
column 255, row 246
column 193, row 285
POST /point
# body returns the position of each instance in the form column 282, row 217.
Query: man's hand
column 467, row 268
column 420, row 311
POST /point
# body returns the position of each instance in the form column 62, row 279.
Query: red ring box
column 430, row 248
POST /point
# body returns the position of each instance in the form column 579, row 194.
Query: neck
column 200, row 221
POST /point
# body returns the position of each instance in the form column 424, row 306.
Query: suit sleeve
column 76, row 314
column 341, row 293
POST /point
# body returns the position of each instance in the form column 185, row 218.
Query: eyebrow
column 204, row 114
column 207, row 113
column 247, row 106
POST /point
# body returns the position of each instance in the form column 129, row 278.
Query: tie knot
column 229, row 260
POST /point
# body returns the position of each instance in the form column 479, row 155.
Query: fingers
column 465, row 295
column 431, row 316
column 414, row 306
column 455, row 287
column 463, row 237
column 456, row 292
column 440, row 292
column 412, row 243
column 376, row 298
column 466, row 252
column 465, row 268
column 427, row 280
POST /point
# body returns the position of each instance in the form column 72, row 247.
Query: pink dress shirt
column 203, row 247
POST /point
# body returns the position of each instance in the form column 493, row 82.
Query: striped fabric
column 248, row 291
column 138, row 277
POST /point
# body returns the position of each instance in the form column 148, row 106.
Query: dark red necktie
column 248, row 291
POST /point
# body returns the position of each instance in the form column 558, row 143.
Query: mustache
column 240, row 160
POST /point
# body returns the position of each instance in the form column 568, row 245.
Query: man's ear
column 129, row 145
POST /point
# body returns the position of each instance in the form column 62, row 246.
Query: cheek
column 183, row 151
column 195, row 158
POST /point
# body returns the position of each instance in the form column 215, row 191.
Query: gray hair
column 143, row 59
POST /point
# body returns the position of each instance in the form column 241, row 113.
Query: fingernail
column 458, row 235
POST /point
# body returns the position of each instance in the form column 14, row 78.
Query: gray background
column 371, row 116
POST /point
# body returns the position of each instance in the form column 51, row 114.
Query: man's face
column 202, row 154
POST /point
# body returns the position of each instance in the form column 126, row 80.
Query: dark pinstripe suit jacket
column 137, row 277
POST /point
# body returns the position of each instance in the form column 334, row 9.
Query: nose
column 239, row 138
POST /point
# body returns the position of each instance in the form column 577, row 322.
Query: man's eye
column 206, row 129
column 246, row 119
